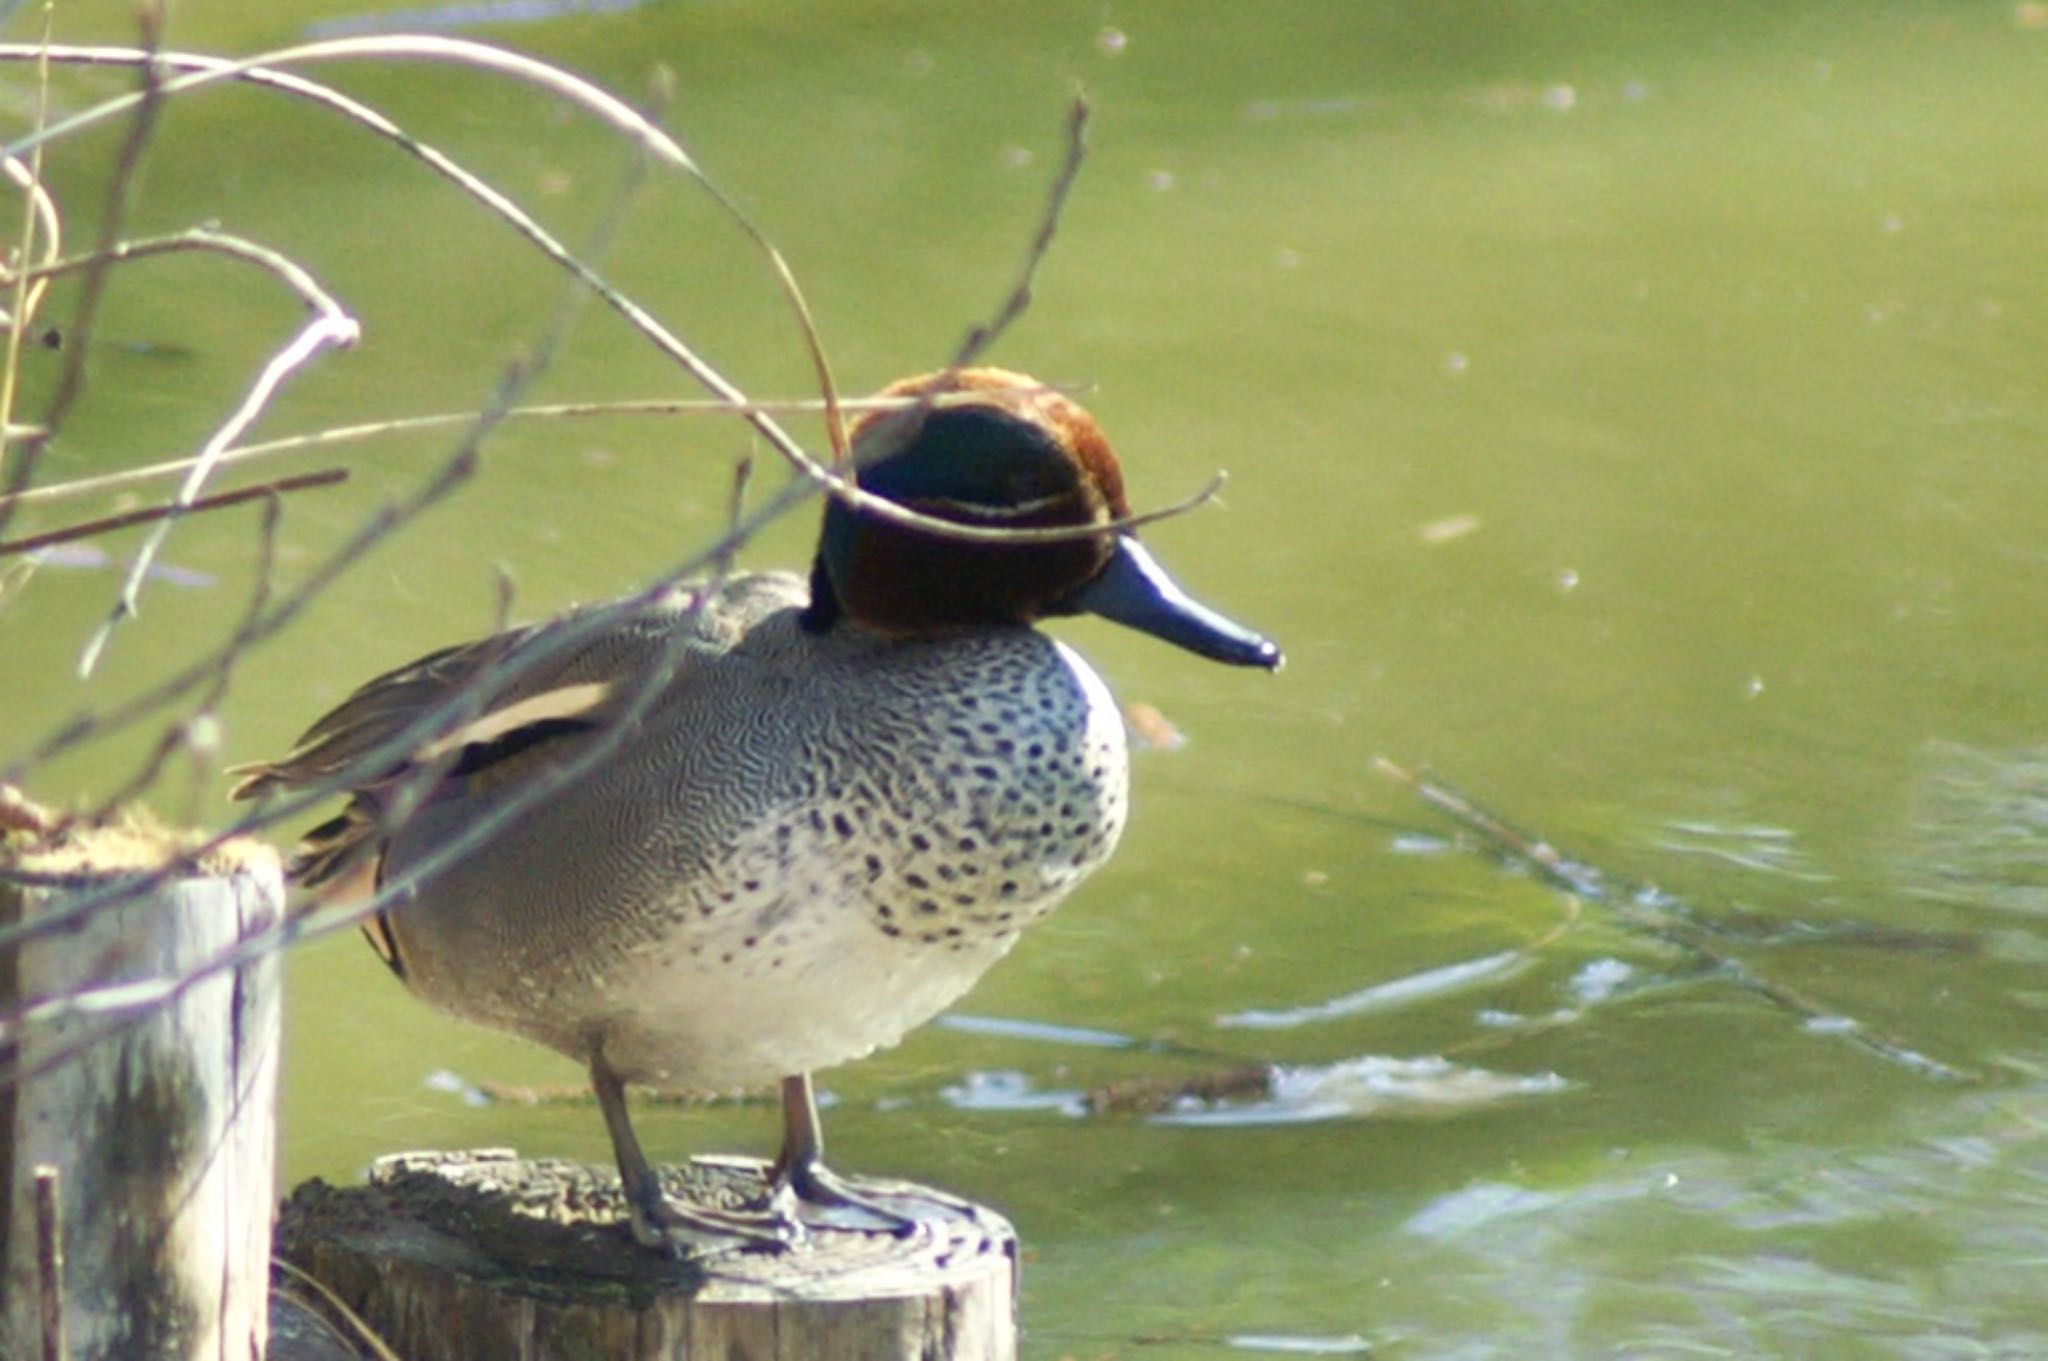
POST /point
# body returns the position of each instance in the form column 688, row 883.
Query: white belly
column 840, row 993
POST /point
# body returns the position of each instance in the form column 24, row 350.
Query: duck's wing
column 483, row 710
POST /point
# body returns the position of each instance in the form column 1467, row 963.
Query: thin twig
column 116, row 1007
column 1570, row 876
column 28, row 288
column 357, row 1324
column 329, row 326
column 113, row 1009
column 179, row 736
column 736, row 502
column 261, row 69
column 504, row 590
column 398, row 425
column 27, row 295
column 43, row 215
column 148, row 104
column 326, row 477
column 207, row 70
column 1019, row 300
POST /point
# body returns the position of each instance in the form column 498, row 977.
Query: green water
column 1634, row 413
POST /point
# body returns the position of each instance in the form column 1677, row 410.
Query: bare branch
column 207, row 70
column 27, row 295
column 329, row 326
column 981, row 337
column 181, row 736
column 147, row 103
column 201, row 70
column 262, row 622
column 41, row 229
column 346, row 434
column 269, row 613
column 326, row 477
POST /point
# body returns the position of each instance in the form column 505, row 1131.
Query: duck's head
column 995, row 448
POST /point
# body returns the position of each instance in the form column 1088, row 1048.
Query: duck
column 735, row 832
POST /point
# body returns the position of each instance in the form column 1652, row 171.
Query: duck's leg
column 800, row 1174
column 659, row 1221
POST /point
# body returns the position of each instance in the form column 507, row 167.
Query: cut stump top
column 421, row 1249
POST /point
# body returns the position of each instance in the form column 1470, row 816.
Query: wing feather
column 530, row 706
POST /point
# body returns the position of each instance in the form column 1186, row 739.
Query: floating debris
column 1417, row 843
column 1449, row 528
column 1601, row 980
column 1009, row 1090
column 1152, row 730
column 1152, row 1095
column 1364, row 1087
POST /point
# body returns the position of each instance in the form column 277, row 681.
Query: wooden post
column 482, row 1255
column 139, row 1158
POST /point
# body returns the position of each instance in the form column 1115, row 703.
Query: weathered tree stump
column 468, row 1256
column 137, row 1116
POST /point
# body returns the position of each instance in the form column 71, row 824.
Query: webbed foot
column 817, row 1197
column 660, row 1220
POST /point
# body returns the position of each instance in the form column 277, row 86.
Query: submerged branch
column 1649, row 910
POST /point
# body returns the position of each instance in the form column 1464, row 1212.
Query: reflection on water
column 1010, row 1090
column 1633, row 412
column 1033, row 1030
column 1380, row 996
column 1979, row 837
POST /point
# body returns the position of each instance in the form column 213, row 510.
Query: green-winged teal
column 838, row 810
